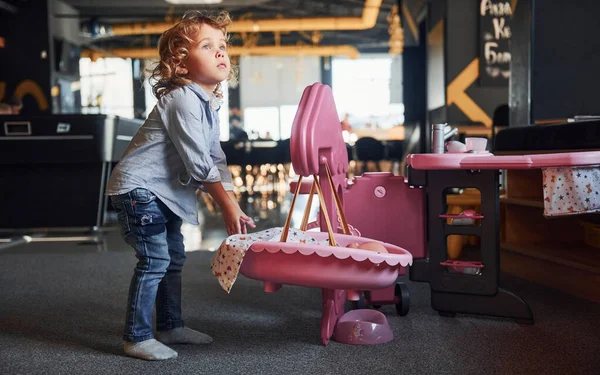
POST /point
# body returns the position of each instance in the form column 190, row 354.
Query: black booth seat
column 257, row 152
column 54, row 168
column 578, row 135
column 394, row 150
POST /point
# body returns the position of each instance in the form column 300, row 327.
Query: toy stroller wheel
column 401, row 291
column 368, row 297
column 360, row 304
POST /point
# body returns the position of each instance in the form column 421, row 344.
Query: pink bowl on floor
column 363, row 327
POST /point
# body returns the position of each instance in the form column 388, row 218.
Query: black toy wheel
column 368, row 297
column 403, row 305
column 360, row 304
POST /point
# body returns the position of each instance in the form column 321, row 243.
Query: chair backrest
column 316, row 134
column 394, row 150
column 369, row 149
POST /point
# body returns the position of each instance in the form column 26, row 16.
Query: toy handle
column 304, row 224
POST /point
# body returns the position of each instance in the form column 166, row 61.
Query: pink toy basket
column 339, row 271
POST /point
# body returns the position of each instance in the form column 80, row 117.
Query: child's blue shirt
column 174, row 151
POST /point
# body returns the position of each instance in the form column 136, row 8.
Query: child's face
column 208, row 62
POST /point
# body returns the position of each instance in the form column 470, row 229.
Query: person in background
column 236, row 132
column 15, row 104
column 12, row 106
column 153, row 187
column 345, row 123
column 5, row 109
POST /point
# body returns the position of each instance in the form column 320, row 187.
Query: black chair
column 350, row 152
column 283, row 151
column 369, row 149
column 394, row 150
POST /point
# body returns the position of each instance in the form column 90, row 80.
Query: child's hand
column 246, row 221
column 236, row 221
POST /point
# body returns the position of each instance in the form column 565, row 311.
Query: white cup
column 476, row 144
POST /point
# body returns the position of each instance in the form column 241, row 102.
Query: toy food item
column 353, row 245
column 373, row 246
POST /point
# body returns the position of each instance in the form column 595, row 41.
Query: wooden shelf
column 547, row 251
column 572, row 269
column 522, row 202
column 580, row 257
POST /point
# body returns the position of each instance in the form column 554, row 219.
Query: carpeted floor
column 61, row 312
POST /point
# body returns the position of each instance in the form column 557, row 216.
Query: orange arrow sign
column 455, row 94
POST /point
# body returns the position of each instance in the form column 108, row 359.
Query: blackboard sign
column 495, row 33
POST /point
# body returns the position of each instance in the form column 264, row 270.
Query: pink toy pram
column 318, row 150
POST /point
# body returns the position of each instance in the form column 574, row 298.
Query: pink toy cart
column 415, row 209
column 318, row 150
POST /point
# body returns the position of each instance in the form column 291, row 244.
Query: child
column 153, row 187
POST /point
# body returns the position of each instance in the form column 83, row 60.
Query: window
column 107, row 86
column 277, row 122
column 262, row 122
column 287, row 113
column 362, row 89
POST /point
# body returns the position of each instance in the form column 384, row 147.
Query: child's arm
column 244, row 220
column 233, row 216
column 220, row 160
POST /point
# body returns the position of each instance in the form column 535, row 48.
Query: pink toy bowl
column 363, row 327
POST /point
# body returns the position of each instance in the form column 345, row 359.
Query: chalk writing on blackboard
column 494, row 67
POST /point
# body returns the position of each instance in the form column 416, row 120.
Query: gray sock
column 150, row 350
column 183, row 335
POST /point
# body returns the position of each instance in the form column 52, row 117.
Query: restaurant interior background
column 395, row 68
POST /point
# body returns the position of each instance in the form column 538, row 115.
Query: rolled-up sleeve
column 221, row 162
column 186, row 123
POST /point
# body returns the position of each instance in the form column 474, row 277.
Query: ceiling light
column 193, row 2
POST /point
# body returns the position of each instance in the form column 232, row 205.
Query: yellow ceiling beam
column 302, row 50
column 367, row 20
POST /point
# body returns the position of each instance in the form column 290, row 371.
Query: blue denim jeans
column 154, row 231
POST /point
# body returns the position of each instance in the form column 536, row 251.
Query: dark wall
column 454, row 56
column 462, row 48
column 520, row 49
column 566, row 59
column 555, row 60
column 25, row 59
column 414, row 78
column 65, row 50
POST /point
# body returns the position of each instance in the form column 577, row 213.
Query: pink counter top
column 491, row 161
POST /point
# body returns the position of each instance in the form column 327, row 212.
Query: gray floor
column 62, row 307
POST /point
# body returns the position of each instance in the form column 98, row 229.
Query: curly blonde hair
column 173, row 48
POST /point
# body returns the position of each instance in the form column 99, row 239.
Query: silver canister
column 437, row 138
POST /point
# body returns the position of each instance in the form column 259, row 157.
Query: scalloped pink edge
column 396, row 255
